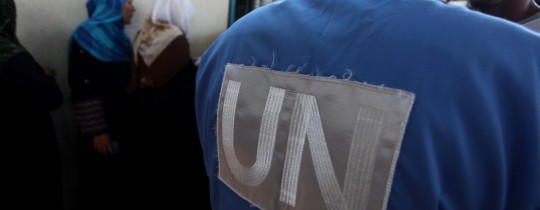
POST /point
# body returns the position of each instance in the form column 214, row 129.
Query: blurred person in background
column 99, row 54
column 525, row 12
column 165, row 152
column 31, row 166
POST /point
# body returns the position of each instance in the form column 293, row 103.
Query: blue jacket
column 472, row 140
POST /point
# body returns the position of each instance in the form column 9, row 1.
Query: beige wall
column 44, row 27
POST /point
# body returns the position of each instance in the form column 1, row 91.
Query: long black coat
column 30, row 158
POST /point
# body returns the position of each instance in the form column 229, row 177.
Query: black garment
column 99, row 176
column 31, row 167
column 166, row 154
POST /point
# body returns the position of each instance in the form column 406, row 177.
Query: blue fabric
column 102, row 35
column 473, row 137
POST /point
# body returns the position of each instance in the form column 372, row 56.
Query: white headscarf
column 175, row 12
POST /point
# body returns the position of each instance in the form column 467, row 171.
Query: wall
column 44, row 27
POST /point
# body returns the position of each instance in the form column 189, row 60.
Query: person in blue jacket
column 374, row 104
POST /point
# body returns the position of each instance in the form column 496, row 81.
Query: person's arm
column 26, row 79
column 87, row 103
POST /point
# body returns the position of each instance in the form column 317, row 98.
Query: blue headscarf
column 103, row 34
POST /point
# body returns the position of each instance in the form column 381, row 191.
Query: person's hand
column 102, row 144
column 51, row 72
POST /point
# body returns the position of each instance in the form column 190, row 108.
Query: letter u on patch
column 290, row 141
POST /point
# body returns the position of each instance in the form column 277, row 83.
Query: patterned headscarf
column 102, row 35
column 9, row 43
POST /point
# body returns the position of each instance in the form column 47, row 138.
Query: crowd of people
column 133, row 105
column 300, row 104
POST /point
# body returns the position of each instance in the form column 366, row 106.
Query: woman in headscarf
column 31, row 167
column 99, row 55
column 167, row 151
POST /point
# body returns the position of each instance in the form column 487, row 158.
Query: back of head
column 513, row 10
column 175, row 12
column 471, row 137
column 477, row 3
